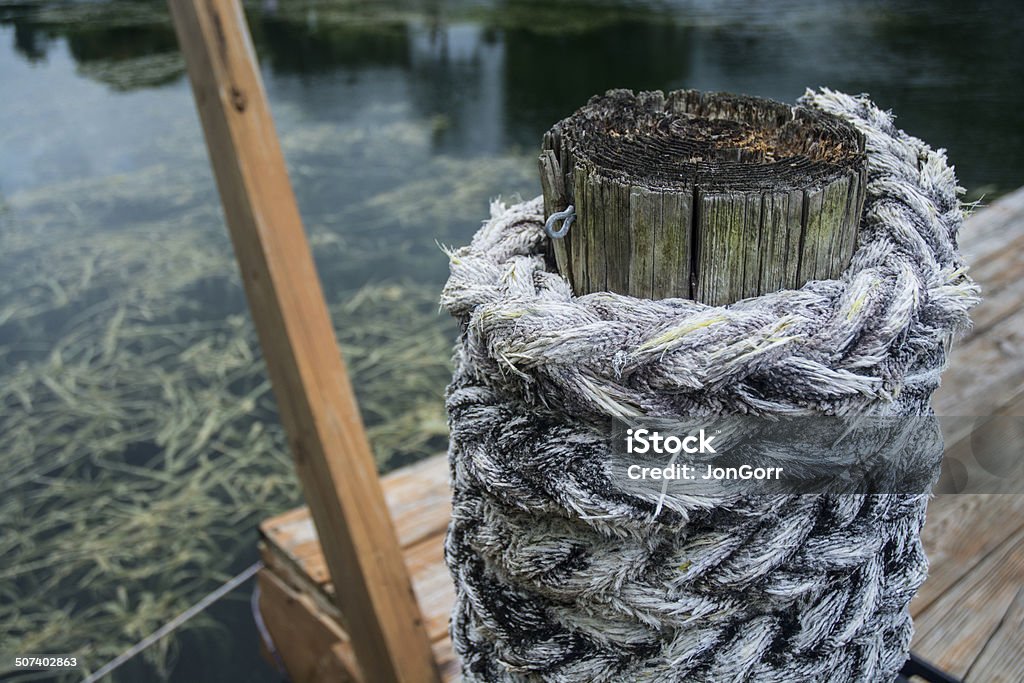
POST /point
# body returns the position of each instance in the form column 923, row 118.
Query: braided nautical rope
column 560, row 576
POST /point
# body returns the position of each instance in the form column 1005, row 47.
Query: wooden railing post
column 314, row 396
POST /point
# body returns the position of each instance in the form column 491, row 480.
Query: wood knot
column 238, row 99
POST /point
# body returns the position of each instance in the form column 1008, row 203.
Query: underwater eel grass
column 139, row 442
column 134, row 453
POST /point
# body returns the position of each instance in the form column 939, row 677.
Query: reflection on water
column 138, row 434
column 497, row 74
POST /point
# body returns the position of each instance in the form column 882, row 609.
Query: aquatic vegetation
column 139, row 443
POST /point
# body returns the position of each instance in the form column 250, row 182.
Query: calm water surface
column 399, row 121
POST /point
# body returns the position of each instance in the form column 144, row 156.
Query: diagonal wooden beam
column 314, row 396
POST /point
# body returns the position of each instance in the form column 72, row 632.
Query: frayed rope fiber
column 560, row 576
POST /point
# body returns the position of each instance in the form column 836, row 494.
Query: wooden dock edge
column 297, row 600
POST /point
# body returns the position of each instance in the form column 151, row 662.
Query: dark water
column 497, row 74
column 400, row 120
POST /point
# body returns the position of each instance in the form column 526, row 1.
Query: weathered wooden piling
column 706, row 196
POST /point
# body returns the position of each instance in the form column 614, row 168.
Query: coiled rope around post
column 562, row 577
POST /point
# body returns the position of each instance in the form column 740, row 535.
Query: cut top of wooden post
column 706, row 196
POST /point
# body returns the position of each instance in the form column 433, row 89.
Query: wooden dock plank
column 419, row 499
column 430, row 581
column 1002, row 659
column 310, row 642
column 447, row 662
column 987, row 370
column 962, row 529
column 986, row 229
column 1004, row 290
column 954, row 629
